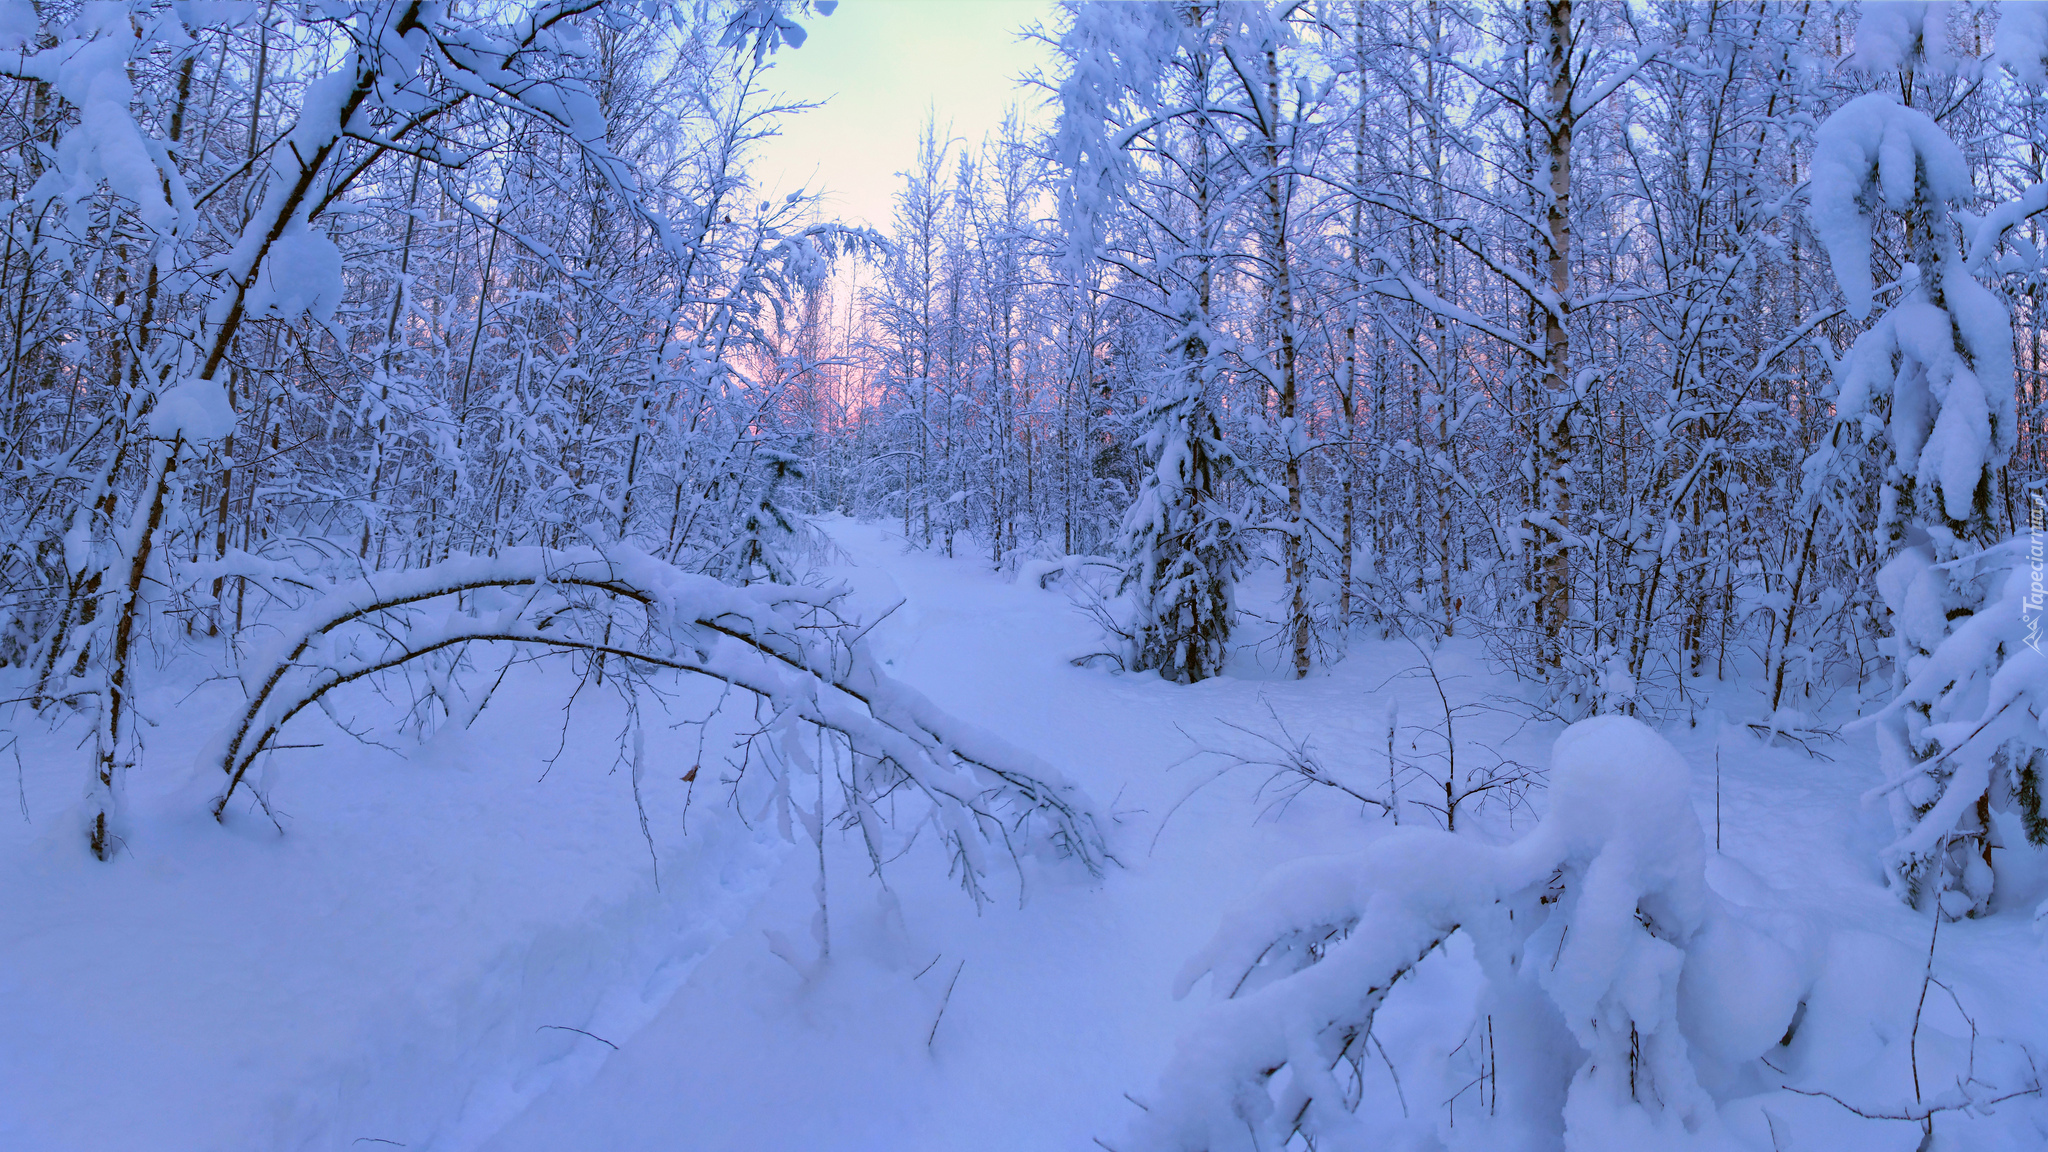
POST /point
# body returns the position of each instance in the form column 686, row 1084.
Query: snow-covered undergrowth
column 403, row 963
column 1625, row 1002
column 823, row 706
column 1612, row 1018
column 428, row 949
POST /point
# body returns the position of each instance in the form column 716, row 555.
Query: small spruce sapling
column 1180, row 544
column 769, row 528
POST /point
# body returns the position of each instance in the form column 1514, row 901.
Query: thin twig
column 1913, row 1044
column 20, row 781
column 581, row 1032
column 1398, row 1094
column 1922, row 1115
column 943, row 1001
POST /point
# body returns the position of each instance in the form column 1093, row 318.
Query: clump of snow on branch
column 301, row 276
column 1890, row 33
column 1875, row 151
column 2020, row 42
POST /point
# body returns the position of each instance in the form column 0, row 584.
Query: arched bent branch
column 565, row 644
column 751, row 638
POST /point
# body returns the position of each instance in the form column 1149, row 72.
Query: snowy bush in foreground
column 1616, row 981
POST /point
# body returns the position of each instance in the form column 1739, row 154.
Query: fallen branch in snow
column 1294, row 763
column 1960, row 1100
column 1922, row 1114
column 1046, row 573
column 1803, row 737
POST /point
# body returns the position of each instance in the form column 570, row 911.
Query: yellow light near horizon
column 879, row 67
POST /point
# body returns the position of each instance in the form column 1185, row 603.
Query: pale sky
column 878, row 65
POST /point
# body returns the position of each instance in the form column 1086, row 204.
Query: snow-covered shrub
column 1932, row 381
column 1620, row 987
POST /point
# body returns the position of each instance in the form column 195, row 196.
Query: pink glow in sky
column 879, row 65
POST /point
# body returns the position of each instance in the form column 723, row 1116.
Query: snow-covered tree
column 1180, row 546
column 1932, row 379
column 1137, row 118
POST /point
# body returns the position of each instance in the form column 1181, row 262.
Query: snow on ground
column 404, row 965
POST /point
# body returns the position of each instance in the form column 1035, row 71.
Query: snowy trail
column 750, row 1054
column 1060, row 1007
column 403, row 964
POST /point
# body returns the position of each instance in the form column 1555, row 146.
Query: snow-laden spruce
column 1617, row 983
column 1931, row 382
column 1141, row 88
column 1180, row 545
